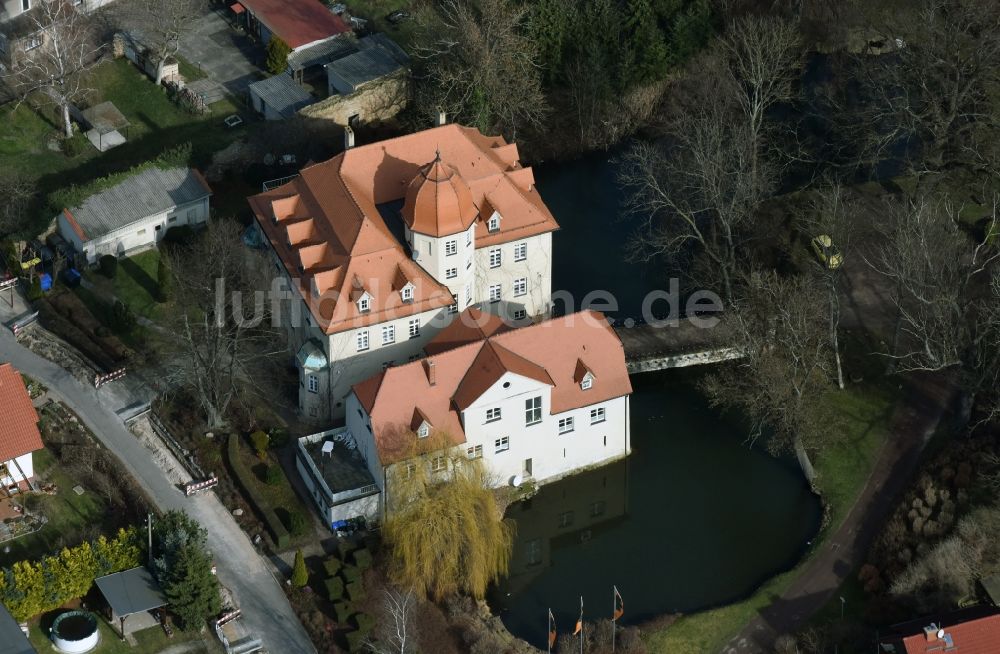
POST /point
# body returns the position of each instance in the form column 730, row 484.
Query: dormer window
column 494, row 223
column 407, row 293
column 423, row 430
column 587, row 382
column 365, row 303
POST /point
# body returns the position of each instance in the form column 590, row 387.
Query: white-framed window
column 454, row 304
column 587, row 382
column 493, row 414
column 32, row 42
column 496, row 257
column 450, row 247
column 521, row 251
column 468, row 293
column 409, row 470
column 313, row 383
column 388, row 334
column 565, row 519
column 494, row 223
column 495, row 292
column 501, row 444
column 520, row 314
column 468, row 262
column 474, row 452
column 407, row 293
column 141, row 232
column 533, row 411
column 364, row 303
column 597, row 415
column 565, row 425
column 25, row 5
column 520, row 286
column 414, row 327
column 438, row 464
column 423, row 430
column 362, row 337
column 534, row 551
column 468, row 235
column 451, row 273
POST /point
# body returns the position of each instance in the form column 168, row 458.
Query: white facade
column 142, row 234
column 511, row 445
column 13, row 476
column 522, row 273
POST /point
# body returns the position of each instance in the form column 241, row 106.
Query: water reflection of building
column 565, row 514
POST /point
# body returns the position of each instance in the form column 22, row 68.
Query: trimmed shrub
column 332, row 566
column 75, row 145
column 279, row 437
column 300, row 576
column 364, row 622
column 334, row 588
column 355, row 591
column 273, row 476
column 179, row 235
column 350, row 573
column 345, row 547
column 260, row 441
column 363, row 559
column 344, row 611
column 244, row 477
column 108, row 265
column 297, row 523
column 277, row 56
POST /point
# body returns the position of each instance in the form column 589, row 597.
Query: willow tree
column 445, row 530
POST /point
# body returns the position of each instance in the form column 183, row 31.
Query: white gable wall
column 13, row 475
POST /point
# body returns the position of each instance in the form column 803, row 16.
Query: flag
column 552, row 630
column 619, row 605
column 579, row 622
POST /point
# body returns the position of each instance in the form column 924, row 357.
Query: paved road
column 227, row 57
column 266, row 609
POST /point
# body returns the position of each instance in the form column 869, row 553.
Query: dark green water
column 694, row 518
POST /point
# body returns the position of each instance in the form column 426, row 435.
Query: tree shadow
column 141, row 277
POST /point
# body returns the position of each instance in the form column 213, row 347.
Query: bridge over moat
column 678, row 344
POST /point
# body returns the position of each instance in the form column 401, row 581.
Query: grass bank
column 861, row 414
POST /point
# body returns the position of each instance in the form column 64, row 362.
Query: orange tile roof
column 326, row 229
column 18, row 418
column 471, row 325
column 979, row 636
column 297, row 22
column 438, row 201
column 547, row 351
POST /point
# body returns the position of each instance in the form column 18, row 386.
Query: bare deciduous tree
column 17, row 191
column 396, row 629
column 698, row 192
column 221, row 354
column 56, row 67
column 945, row 291
column 783, row 333
column 162, row 24
column 473, row 56
column 935, row 94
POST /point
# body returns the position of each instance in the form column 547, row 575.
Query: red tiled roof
column 325, row 226
column 547, row 351
column 297, row 22
column 471, row 325
column 75, row 225
column 979, row 636
column 18, row 419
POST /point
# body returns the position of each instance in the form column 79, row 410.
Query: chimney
column 441, row 118
column 931, row 632
column 431, row 373
column 348, row 138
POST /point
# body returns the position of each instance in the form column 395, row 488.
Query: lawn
column 375, row 12
column 72, row 518
column 148, row 641
column 156, row 124
column 862, row 414
column 135, row 284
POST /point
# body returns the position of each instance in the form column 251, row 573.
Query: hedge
column 355, row 591
column 334, row 588
column 350, row 573
column 332, row 566
column 364, row 622
column 245, row 479
column 363, row 559
column 344, row 611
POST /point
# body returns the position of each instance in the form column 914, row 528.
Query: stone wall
column 378, row 100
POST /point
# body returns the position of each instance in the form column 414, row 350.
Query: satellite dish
column 940, row 634
column 516, row 481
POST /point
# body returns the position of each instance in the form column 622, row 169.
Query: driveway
column 265, row 608
column 226, row 56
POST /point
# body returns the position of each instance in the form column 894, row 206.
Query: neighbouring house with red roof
column 384, row 244
column 534, row 403
column 19, row 435
column 969, row 631
column 299, row 23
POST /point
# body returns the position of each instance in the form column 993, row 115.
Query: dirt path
column 914, row 420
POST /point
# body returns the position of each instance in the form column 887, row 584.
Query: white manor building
column 534, row 403
column 385, row 243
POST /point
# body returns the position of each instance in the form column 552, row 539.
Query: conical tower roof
column 438, row 201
